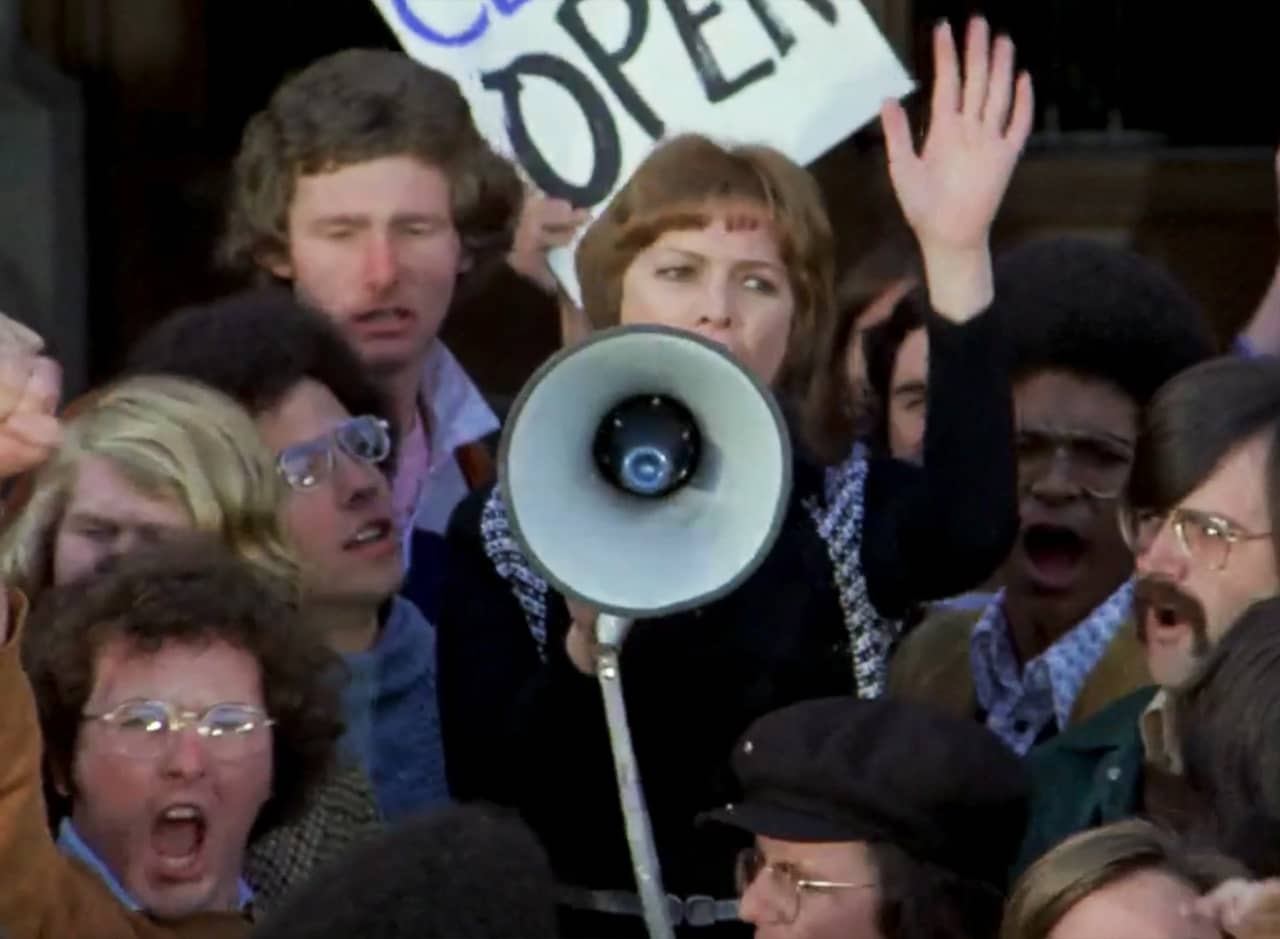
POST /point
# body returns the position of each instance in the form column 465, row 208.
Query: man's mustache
column 1172, row 605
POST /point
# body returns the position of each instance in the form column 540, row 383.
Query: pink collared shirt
column 429, row 483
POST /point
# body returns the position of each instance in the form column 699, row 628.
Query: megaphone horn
column 645, row 471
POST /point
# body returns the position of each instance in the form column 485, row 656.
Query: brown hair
column 1196, row 420
column 673, row 189
column 895, row 257
column 846, row 413
column 923, row 900
column 191, row 590
column 352, row 107
column 1093, row 860
column 1227, row 715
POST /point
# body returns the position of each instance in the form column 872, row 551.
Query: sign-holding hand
column 951, row 190
column 29, row 388
column 544, row 224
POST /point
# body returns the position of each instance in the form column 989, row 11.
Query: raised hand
column 950, row 190
column 29, row 388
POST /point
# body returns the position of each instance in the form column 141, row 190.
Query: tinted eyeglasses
column 1200, row 535
column 305, row 465
column 143, row 729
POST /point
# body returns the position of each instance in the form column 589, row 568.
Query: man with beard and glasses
column 1202, row 513
column 1096, row 332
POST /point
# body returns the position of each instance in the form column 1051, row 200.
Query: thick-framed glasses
column 1098, row 465
column 365, row 439
column 1200, row 536
column 784, row 884
column 143, row 729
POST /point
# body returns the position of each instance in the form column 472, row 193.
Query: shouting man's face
column 1204, row 563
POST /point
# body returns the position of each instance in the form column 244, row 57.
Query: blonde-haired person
column 732, row 243
column 152, row 456
column 145, row 455
column 1129, row 879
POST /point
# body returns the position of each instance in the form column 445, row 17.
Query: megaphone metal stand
column 610, row 632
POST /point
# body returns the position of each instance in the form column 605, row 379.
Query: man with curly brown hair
column 182, row 705
column 366, row 186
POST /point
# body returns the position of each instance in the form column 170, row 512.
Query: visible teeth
column 370, row 533
column 181, row 813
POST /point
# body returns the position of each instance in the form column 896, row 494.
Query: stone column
column 42, row 230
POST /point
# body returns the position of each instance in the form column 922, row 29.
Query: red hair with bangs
column 683, row 184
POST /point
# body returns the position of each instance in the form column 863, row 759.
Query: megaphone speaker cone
column 645, row 471
column 648, row 445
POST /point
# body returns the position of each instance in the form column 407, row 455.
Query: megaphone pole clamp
column 610, row 631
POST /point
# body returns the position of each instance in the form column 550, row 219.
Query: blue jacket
column 392, row 715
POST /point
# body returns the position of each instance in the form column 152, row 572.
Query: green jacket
column 1088, row 775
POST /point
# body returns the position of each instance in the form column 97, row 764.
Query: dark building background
column 1155, row 127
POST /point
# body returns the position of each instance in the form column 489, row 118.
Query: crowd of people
column 274, row 664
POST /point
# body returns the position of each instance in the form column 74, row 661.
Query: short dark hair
column 921, row 900
column 839, row 413
column 881, row 344
column 191, row 590
column 461, row 872
column 1196, row 420
column 255, row 347
column 1100, row 312
column 1229, row 717
column 360, row 105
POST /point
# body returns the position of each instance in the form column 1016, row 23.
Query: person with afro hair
column 1095, row 331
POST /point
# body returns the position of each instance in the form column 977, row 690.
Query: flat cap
column 945, row 790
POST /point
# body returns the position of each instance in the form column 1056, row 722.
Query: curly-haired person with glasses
column 183, row 705
column 1202, row 514
column 327, row 426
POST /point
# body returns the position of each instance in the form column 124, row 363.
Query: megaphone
column 644, row 472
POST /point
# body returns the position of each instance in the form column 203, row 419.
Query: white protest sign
column 578, row 91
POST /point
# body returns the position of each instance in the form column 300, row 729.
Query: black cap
column 943, row 789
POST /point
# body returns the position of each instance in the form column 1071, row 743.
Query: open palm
column 951, row 190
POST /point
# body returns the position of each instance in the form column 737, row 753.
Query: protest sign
column 578, row 91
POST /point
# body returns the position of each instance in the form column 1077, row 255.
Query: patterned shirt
column 837, row 516
column 1020, row 702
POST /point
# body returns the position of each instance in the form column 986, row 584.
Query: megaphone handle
column 644, row 856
